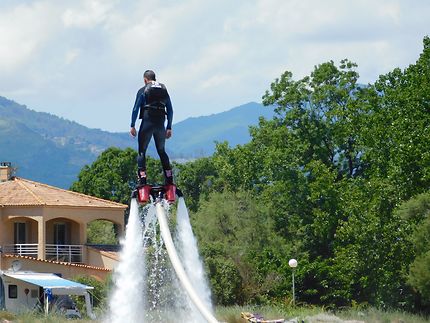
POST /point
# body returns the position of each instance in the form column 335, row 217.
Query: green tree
column 246, row 261
column 417, row 212
column 112, row 176
column 196, row 179
column 99, row 293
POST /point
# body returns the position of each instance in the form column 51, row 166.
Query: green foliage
column 417, row 211
column 196, row 179
column 101, row 232
column 112, row 176
column 243, row 256
column 99, row 293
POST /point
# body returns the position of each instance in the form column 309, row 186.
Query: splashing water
column 127, row 300
column 146, row 287
column 189, row 254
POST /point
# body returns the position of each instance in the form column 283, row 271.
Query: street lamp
column 293, row 264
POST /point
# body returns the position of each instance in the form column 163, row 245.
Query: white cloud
column 71, row 55
column 89, row 14
column 24, row 31
column 84, row 59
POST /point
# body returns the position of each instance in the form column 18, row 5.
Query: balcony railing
column 57, row 252
column 22, row 249
column 63, row 252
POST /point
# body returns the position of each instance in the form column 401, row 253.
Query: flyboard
column 157, row 194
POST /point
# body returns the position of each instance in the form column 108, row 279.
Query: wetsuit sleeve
column 169, row 111
column 137, row 104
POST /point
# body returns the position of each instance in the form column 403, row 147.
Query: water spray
column 153, row 202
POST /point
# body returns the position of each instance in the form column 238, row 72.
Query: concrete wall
column 102, row 259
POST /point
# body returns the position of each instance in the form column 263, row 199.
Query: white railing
column 21, row 249
column 64, row 252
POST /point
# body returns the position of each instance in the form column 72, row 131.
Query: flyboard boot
column 168, row 191
column 169, row 186
column 143, row 189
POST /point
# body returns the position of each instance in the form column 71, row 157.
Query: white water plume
column 189, row 254
column 127, row 300
column 146, row 286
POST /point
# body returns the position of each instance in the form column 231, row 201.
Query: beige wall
column 41, row 221
column 8, row 228
column 9, row 215
column 98, row 258
column 46, row 216
column 67, row 271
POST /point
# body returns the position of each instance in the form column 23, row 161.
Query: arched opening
column 103, row 232
column 21, row 236
column 63, row 240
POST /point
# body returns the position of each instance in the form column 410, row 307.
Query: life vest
column 156, row 96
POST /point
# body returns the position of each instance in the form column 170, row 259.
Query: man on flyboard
column 153, row 105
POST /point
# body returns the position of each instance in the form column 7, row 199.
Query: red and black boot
column 168, row 177
column 170, row 188
column 141, row 178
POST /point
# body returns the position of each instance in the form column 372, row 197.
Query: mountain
column 195, row 137
column 52, row 150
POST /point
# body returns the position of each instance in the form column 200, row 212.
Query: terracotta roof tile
column 23, row 192
column 55, row 262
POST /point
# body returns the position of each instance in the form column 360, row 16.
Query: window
column 34, row 293
column 59, row 233
column 20, row 232
column 13, row 291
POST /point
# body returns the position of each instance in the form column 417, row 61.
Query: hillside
column 195, row 137
column 52, row 150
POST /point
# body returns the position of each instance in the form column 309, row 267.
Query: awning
column 58, row 285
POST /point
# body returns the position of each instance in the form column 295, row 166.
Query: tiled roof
column 23, row 192
column 55, row 262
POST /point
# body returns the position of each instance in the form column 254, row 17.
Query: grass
column 231, row 314
column 318, row 314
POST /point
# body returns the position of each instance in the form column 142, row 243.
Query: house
column 45, row 228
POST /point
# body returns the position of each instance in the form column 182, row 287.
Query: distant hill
column 195, row 137
column 52, row 150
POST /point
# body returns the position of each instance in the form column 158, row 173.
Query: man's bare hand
column 168, row 133
column 133, row 132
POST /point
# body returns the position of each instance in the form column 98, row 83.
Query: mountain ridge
column 51, row 149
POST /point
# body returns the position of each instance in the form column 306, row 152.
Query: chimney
column 6, row 171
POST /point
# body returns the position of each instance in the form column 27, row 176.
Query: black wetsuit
column 153, row 103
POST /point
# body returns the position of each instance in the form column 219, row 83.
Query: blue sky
column 83, row 60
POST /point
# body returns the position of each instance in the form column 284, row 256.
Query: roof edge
column 69, row 191
column 8, row 255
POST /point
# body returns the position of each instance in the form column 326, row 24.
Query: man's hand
column 133, row 132
column 168, row 133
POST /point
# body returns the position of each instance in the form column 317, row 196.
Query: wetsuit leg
column 160, row 140
column 146, row 131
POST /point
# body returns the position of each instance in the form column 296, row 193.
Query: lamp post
column 293, row 264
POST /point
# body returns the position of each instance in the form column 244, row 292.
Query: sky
column 83, row 60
